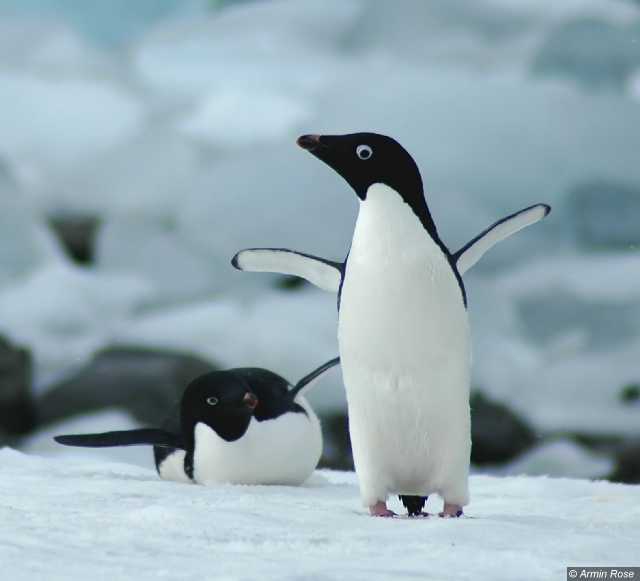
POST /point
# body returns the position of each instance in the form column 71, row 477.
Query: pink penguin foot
column 380, row 509
column 451, row 511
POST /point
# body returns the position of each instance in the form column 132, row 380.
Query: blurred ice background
column 143, row 143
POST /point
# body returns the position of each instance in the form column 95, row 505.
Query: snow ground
column 70, row 519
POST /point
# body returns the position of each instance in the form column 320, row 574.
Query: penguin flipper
column 324, row 274
column 306, row 382
column 142, row 437
column 473, row 250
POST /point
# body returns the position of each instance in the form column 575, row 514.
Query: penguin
column 403, row 328
column 240, row 426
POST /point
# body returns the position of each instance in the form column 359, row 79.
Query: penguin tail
column 305, row 382
column 142, row 437
column 413, row 504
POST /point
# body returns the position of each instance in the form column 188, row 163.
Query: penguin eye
column 212, row 400
column 364, row 151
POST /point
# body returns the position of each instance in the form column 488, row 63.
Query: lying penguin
column 403, row 330
column 241, row 426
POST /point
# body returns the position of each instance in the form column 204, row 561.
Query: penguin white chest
column 405, row 354
column 283, row 450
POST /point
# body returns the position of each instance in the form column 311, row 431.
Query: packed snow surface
column 71, row 519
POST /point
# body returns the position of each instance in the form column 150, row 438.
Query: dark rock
column 606, row 214
column 627, row 464
column 77, row 234
column 630, row 393
column 594, row 52
column 145, row 382
column 337, row 444
column 498, row 434
column 291, row 283
column 17, row 413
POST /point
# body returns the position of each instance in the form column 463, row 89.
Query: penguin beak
column 310, row 142
column 250, row 400
column 320, row 146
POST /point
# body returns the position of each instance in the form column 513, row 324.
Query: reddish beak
column 250, row 400
column 309, row 142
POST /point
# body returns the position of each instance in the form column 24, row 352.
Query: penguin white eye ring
column 364, row 152
column 212, row 400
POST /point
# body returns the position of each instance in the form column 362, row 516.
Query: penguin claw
column 380, row 509
column 447, row 515
column 451, row 511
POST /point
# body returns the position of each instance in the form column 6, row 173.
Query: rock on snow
column 68, row 519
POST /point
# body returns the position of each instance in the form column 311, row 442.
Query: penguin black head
column 223, row 400
column 364, row 159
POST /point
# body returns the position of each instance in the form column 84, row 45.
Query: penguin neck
column 414, row 198
column 229, row 428
column 390, row 222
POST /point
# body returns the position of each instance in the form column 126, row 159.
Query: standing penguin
column 241, row 426
column 403, row 327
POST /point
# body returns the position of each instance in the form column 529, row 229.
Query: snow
column 70, row 519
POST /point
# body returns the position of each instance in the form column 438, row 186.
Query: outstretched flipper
column 322, row 273
column 142, row 437
column 471, row 252
column 305, row 383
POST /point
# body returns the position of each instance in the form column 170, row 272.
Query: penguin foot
column 451, row 511
column 380, row 509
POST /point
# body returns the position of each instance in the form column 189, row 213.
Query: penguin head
column 222, row 400
column 364, row 159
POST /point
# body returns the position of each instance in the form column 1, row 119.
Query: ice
column 273, row 196
column 228, row 118
column 634, row 85
column 598, row 277
column 560, row 458
column 248, row 45
column 155, row 252
column 25, row 244
column 48, row 47
column 71, row 519
column 457, row 124
column 145, row 180
column 550, row 11
column 53, row 125
column 182, row 144
column 41, row 443
column 65, row 313
column 109, row 24
column 594, row 52
column 289, row 333
column 565, row 379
